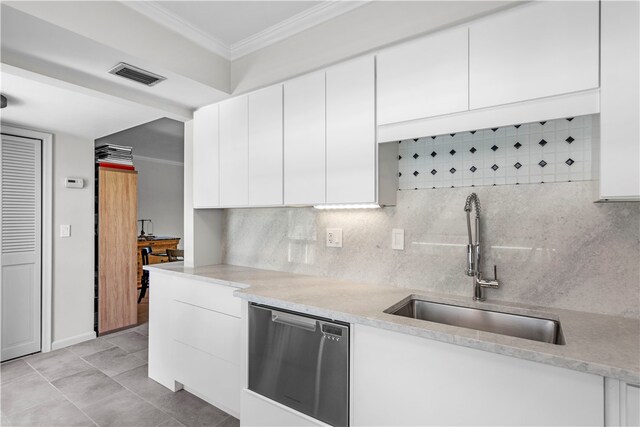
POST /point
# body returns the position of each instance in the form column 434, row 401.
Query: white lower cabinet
column 622, row 404
column 194, row 339
column 257, row 410
column 400, row 379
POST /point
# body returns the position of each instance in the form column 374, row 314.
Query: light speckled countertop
column 597, row 344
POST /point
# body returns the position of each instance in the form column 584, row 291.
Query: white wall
column 161, row 195
column 73, row 257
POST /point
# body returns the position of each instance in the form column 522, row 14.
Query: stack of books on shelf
column 114, row 156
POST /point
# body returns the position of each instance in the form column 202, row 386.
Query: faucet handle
column 488, row 283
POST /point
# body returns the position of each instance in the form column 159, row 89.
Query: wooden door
column 117, row 247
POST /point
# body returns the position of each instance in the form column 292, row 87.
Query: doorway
column 21, row 245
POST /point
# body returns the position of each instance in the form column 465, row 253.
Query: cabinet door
column 234, row 152
column 423, row 78
column 265, row 147
column 205, row 157
column 304, row 140
column 533, row 51
column 351, row 136
column 400, row 379
column 620, row 101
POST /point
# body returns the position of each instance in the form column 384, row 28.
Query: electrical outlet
column 65, row 230
column 334, row 237
column 397, row 239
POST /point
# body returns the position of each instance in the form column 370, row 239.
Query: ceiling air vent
column 136, row 74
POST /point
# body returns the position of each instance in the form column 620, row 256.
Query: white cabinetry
column 234, row 152
column 205, row 157
column 532, row 51
column 194, row 339
column 423, row 78
column 351, row 132
column 622, row 402
column 304, row 140
column 619, row 150
column 259, row 411
column 400, row 379
column 265, row 147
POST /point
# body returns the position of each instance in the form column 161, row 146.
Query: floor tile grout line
column 65, row 396
column 148, row 401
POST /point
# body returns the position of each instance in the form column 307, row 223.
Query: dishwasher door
column 301, row 362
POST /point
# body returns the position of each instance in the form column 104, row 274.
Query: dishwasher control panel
column 331, row 332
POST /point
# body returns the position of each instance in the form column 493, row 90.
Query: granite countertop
column 602, row 345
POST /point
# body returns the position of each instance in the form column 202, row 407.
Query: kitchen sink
column 515, row 325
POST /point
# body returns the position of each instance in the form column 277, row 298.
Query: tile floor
column 99, row 382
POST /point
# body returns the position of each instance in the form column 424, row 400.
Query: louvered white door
column 21, row 195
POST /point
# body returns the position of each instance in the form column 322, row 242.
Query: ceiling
column 36, row 102
column 235, row 28
column 161, row 139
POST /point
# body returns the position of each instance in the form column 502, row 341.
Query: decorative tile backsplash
column 552, row 151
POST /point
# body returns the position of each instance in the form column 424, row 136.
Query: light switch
column 65, row 230
column 397, row 239
column 334, row 237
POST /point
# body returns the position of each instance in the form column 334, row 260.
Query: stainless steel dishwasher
column 301, row 362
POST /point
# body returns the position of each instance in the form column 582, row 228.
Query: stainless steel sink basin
column 515, row 325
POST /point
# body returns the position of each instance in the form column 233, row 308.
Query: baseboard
column 72, row 340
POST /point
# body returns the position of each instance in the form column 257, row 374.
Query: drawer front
column 208, row 331
column 259, row 411
column 215, row 379
column 207, row 295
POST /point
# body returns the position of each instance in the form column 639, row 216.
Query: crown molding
column 171, row 21
column 304, row 20
column 311, row 17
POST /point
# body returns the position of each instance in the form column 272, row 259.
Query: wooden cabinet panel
column 265, row 147
column 304, row 140
column 532, row 51
column 400, row 379
column 424, row 77
column 351, row 132
column 206, row 157
column 117, row 247
column 234, row 152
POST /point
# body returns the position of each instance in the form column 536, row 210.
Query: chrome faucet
column 473, row 252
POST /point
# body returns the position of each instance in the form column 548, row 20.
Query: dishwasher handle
column 289, row 319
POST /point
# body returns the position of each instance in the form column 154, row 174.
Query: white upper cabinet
column 234, row 152
column 620, row 102
column 351, row 132
column 424, row 77
column 304, row 140
column 205, row 157
column 536, row 50
column 265, row 147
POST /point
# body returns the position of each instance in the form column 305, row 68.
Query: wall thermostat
column 74, row 182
